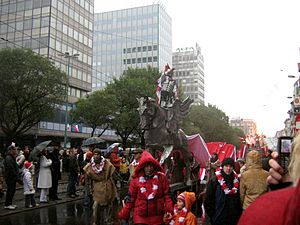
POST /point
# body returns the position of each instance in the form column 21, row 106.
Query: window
column 149, row 48
column 154, row 47
column 128, row 50
column 139, row 60
column 124, row 61
column 128, row 61
column 149, row 59
column 144, row 59
column 139, row 49
column 154, row 58
column 144, row 48
column 133, row 61
column 134, row 49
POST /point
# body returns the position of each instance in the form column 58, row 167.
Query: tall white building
column 189, row 72
column 134, row 37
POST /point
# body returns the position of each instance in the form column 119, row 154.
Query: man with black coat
column 55, row 172
column 11, row 176
column 222, row 201
column 73, row 173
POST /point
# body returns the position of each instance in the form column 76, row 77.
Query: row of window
column 140, row 49
column 140, row 60
column 76, row 92
column 79, row 18
column 76, row 73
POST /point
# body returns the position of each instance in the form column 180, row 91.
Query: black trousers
column 10, row 192
column 53, row 189
column 29, row 200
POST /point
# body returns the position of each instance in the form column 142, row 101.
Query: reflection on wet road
column 71, row 213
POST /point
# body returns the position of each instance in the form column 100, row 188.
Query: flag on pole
column 75, row 128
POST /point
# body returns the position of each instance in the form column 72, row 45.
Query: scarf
column 149, row 194
column 97, row 168
column 181, row 213
column 225, row 182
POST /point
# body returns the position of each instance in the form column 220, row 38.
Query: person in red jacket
column 115, row 159
column 148, row 192
column 182, row 210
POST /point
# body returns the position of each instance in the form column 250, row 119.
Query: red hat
column 188, row 198
column 27, row 164
column 181, row 196
column 88, row 155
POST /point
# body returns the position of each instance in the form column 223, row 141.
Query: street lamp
column 69, row 57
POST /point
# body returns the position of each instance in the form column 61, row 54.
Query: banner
column 198, row 148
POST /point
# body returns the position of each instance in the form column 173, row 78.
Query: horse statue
column 162, row 129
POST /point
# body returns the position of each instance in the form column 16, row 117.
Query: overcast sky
column 249, row 48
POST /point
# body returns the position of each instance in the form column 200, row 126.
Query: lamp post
column 69, row 57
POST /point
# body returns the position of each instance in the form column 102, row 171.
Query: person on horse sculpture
column 167, row 88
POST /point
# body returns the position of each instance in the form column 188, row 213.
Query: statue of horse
column 162, row 129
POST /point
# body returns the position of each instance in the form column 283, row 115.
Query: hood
column 254, row 160
column 25, row 171
column 146, row 158
column 189, row 199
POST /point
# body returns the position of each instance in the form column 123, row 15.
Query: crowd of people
column 238, row 192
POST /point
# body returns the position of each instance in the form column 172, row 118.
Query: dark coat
column 11, row 169
column 222, row 209
column 55, row 167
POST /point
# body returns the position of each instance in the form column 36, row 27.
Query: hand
column 168, row 215
column 276, row 171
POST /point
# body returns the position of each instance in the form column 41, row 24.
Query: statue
column 163, row 132
column 167, row 88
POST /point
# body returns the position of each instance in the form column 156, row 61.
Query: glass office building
column 189, row 72
column 52, row 28
column 134, row 37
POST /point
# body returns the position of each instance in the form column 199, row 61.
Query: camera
column 284, row 147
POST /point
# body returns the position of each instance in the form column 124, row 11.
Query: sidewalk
column 19, row 199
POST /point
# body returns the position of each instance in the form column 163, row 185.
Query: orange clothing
column 190, row 219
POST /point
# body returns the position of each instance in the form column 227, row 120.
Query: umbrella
column 92, row 141
column 38, row 149
column 111, row 147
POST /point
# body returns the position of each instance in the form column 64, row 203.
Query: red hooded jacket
column 145, row 210
column 281, row 207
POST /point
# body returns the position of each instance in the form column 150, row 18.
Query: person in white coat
column 45, row 179
column 28, row 185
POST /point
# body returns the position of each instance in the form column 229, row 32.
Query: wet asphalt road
column 71, row 213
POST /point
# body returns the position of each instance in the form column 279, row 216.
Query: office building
column 189, row 72
column 134, row 37
column 51, row 28
column 248, row 126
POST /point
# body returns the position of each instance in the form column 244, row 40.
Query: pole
column 67, row 104
column 68, row 56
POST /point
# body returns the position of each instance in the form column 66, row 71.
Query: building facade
column 135, row 37
column 248, row 126
column 54, row 29
column 189, row 72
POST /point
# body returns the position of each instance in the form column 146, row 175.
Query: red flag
column 222, row 149
column 198, row 148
